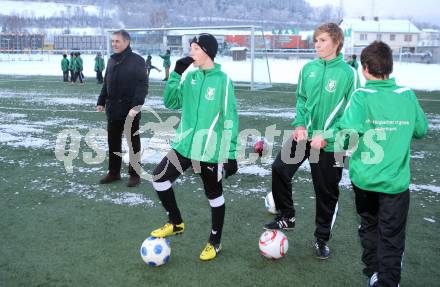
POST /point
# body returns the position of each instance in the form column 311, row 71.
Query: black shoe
column 109, row 178
column 321, row 249
column 166, row 79
column 373, row 281
column 133, row 181
column 281, row 222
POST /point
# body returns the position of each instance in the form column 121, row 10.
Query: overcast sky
column 421, row 10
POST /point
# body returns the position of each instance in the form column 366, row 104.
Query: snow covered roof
column 381, row 25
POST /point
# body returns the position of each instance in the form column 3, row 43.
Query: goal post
column 242, row 50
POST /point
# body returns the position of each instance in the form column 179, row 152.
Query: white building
column 430, row 38
column 400, row 35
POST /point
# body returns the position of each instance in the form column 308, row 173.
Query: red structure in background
column 272, row 41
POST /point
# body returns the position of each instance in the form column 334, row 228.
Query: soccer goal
column 242, row 50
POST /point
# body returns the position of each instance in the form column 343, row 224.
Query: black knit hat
column 208, row 43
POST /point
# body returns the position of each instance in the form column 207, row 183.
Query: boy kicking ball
column 386, row 117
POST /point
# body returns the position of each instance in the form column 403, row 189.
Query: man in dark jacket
column 125, row 88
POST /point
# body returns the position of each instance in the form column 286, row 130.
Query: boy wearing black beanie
column 206, row 138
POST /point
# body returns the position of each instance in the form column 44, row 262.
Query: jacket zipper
column 198, row 106
column 321, row 90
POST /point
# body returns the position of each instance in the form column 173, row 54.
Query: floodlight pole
column 108, row 45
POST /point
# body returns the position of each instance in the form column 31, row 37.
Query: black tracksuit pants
column 382, row 233
column 325, row 174
column 115, row 130
column 99, row 77
column 65, row 76
column 77, row 75
column 170, row 168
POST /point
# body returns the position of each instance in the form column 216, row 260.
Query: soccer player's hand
column 183, row 64
column 99, row 108
column 300, row 134
column 318, row 142
column 230, row 168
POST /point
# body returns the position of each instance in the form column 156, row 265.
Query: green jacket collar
column 216, row 68
column 331, row 62
column 380, row 83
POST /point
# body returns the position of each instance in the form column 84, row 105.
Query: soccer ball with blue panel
column 155, row 251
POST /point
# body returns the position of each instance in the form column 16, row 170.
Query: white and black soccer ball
column 269, row 202
column 273, row 244
column 155, row 251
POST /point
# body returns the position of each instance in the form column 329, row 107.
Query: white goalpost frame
column 252, row 84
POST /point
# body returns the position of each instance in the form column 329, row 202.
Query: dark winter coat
column 125, row 84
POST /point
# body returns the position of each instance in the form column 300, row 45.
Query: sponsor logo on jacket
column 210, row 94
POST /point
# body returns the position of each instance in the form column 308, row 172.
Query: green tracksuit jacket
column 64, row 64
column 166, row 60
column 99, row 64
column 208, row 126
column 386, row 118
column 71, row 63
column 324, row 88
column 74, row 65
column 79, row 64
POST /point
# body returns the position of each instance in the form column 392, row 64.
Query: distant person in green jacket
column 99, row 67
column 353, row 62
column 386, row 117
column 70, row 67
column 205, row 140
column 65, row 68
column 324, row 88
column 74, row 68
column 77, row 67
column 81, row 67
column 166, row 64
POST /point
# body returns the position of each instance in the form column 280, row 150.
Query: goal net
column 242, row 50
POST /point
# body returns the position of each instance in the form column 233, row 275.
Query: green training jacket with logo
column 324, row 88
column 208, row 126
column 386, row 118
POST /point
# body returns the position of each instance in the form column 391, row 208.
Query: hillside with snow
column 46, row 9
